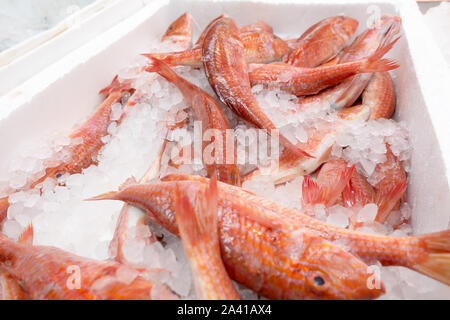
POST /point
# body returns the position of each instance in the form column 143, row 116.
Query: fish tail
column 374, row 64
column 350, row 196
column 27, row 235
column 295, row 149
column 197, row 223
column 161, row 68
column 386, row 201
column 437, row 263
column 116, row 86
column 336, row 188
column 310, row 192
column 168, row 58
column 380, row 66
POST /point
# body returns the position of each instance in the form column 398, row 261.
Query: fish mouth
column 355, row 279
column 344, row 275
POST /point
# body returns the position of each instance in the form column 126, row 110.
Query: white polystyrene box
column 66, row 91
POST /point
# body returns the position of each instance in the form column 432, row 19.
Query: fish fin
column 115, row 247
column 182, row 177
column 116, row 86
column 128, row 182
column 386, row 201
column 111, row 195
column 161, row 68
column 380, row 66
column 437, row 242
column 27, row 235
column 198, row 228
column 331, row 62
column 352, row 196
column 154, row 170
column 374, row 64
column 349, row 195
column 295, row 149
column 336, row 189
column 311, row 193
column 167, row 58
column 10, row 288
column 437, row 264
column 198, row 225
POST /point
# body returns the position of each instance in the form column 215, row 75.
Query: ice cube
column 368, row 213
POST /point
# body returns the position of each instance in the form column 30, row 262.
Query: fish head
column 335, row 274
column 345, row 26
column 180, row 27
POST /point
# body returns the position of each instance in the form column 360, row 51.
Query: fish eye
column 318, row 280
column 58, row 175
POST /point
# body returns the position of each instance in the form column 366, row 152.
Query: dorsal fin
column 27, row 235
column 130, row 181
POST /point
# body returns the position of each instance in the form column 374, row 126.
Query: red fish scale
column 270, row 263
column 255, row 232
column 42, row 273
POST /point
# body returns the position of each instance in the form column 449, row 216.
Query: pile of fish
column 230, row 234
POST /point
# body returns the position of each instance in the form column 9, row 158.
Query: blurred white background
column 21, row 19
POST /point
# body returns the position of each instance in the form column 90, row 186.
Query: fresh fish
column 331, row 180
column 89, row 134
column 308, row 81
column 210, row 113
column 10, row 288
column 336, row 183
column 180, row 31
column 197, row 220
column 379, row 95
column 367, row 42
column 348, row 91
column 321, row 42
column 319, row 144
column 388, row 191
column 391, row 184
column 276, row 256
column 49, row 273
column 259, row 47
column 226, row 70
column 243, row 211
